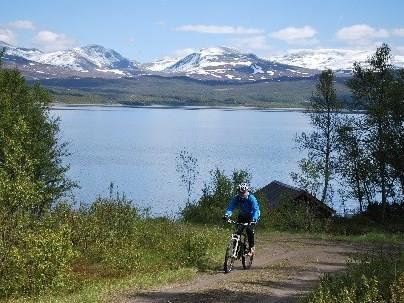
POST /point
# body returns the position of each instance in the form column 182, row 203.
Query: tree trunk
column 382, row 168
column 367, row 192
column 360, row 195
column 326, row 181
column 402, row 183
column 327, row 156
column 384, row 194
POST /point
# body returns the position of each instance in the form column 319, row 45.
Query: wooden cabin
column 275, row 191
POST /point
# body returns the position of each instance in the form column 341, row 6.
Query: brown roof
column 274, row 191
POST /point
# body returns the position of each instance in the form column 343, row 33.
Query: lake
column 136, row 149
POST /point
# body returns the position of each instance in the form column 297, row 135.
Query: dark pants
column 249, row 229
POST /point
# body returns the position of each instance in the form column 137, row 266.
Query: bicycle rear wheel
column 228, row 258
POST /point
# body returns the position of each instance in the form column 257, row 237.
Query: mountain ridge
column 220, row 63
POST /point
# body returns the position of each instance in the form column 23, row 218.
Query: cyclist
column 249, row 212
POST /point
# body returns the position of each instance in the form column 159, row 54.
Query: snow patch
column 115, row 71
column 216, row 76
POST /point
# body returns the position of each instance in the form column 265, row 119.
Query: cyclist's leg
column 250, row 236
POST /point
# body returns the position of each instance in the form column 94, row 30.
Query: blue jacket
column 248, row 207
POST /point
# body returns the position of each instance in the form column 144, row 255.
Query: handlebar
column 237, row 223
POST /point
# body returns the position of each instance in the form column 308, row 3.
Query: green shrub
column 169, row 244
column 397, row 290
column 295, row 217
column 370, row 221
column 113, row 239
column 369, row 278
column 35, row 257
column 216, row 195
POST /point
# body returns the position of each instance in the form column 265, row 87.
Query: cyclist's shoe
column 252, row 251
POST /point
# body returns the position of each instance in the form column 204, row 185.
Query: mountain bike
column 237, row 248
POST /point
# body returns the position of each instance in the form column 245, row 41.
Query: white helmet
column 243, row 187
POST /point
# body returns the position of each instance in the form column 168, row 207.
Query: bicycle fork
column 235, row 238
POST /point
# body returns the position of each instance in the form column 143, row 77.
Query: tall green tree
column 324, row 113
column 308, row 176
column 354, row 164
column 378, row 87
column 395, row 155
column 32, row 175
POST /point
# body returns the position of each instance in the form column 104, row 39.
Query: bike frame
column 236, row 238
column 237, row 248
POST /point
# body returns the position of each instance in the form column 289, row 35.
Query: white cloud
column 399, row 32
column 252, row 43
column 361, row 33
column 296, row 35
column 52, row 41
column 7, row 36
column 218, row 29
column 22, row 24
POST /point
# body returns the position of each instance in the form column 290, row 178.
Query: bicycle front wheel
column 228, row 258
column 247, row 261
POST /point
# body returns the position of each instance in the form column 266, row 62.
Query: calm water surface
column 136, row 149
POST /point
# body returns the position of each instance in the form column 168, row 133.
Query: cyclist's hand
column 253, row 223
column 226, row 218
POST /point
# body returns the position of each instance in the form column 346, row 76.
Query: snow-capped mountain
column 87, row 61
column 160, row 65
column 215, row 63
column 22, row 52
column 339, row 60
column 86, row 58
column 225, row 63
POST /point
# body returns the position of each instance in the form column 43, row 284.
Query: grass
column 97, row 287
column 94, row 282
column 366, row 238
column 371, row 237
column 376, row 276
column 98, row 290
column 118, row 250
column 114, row 248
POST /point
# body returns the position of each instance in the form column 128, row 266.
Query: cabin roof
column 275, row 190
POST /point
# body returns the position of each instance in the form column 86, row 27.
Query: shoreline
column 70, row 106
column 93, row 106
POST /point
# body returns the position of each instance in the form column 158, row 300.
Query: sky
column 148, row 30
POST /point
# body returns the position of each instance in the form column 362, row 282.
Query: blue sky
column 149, row 30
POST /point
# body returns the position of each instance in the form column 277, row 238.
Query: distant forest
column 147, row 90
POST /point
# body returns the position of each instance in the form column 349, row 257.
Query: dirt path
column 283, row 270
